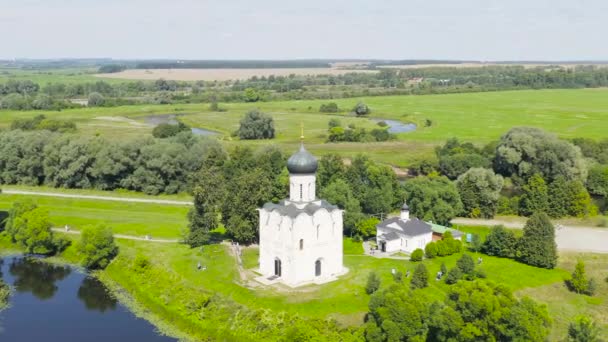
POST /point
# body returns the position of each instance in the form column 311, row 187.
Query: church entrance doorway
column 318, row 268
column 277, row 267
column 383, row 246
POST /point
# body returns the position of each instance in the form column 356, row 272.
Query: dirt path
column 568, row 238
column 102, row 198
column 119, row 236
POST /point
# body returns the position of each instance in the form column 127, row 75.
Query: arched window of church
column 301, row 244
column 300, row 192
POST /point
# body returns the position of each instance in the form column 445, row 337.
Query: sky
column 483, row 30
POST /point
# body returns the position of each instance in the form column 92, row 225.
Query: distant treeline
column 26, row 95
column 244, row 64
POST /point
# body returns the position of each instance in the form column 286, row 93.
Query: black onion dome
column 302, row 162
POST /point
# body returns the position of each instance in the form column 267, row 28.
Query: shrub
column 444, row 269
column 373, row 283
column 331, row 107
column 430, row 250
column 500, row 242
column 141, row 263
column 480, row 273
column 361, row 109
column 97, row 246
column 96, row 100
column 398, row 276
column 466, row 264
column 453, row 276
column 583, row 329
column 417, row 255
column 420, row 279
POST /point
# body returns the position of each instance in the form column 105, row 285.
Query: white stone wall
column 302, row 188
column 321, row 234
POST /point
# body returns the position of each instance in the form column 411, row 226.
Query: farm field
column 137, row 219
column 44, row 76
column 221, row 74
column 474, row 117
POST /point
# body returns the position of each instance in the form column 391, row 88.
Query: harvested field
column 479, row 65
column 221, row 74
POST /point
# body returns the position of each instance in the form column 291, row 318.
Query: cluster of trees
column 528, row 170
column 464, row 269
column 96, row 246
column 256, row 125
column 535, row 247
column 30, row 227
column 231, row 186
column 337, row 133
column 40, row 122
column 476, row 310
column 148, row 165
column 331, row 107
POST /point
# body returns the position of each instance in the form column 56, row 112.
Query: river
column 57, row 303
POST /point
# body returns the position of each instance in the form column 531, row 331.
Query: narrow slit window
column 301, row 244
column 300, row 192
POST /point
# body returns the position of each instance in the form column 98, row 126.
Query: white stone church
column 301, row 237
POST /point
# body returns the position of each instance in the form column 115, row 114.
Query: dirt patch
column 222, row 74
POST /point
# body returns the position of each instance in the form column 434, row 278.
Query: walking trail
column 102, row 198
column 119, row 236
column 568, row 238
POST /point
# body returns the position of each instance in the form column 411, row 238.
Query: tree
column 256, row 125
column 166, row 130
column 373, row 283
column 537, row 246
column 32, row 230
column 597, row 181
column 433, row 199
column 479, row 190
column 251, row 95
column 476, row 243
column 420, row 278
column 367, row 228
column 453, row 276
column 583, row 329
column 361, row 109
column 535, row 196
column 525, row 151
column 97, row 246
column 466, row 264
column 500, row 242
column 5, row 292
column 417, row 255
column 205, row 214
column 96, row 100
column 578, row 282
column 338, row 192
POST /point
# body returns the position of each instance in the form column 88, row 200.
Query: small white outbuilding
column 403, row 234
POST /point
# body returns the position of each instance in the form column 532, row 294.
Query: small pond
column 58, row 303
column 395, row 126
column 155, row 120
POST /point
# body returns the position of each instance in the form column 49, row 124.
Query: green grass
column 250, row 257
column 475, row 117
column 139, row 219
column 42, row 77
column 91, row 192
column 351, row 247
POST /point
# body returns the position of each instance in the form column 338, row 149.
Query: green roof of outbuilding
column 439, row 229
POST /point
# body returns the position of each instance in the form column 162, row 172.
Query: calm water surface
column 56, row 303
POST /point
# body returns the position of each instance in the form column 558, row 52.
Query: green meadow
column 137, row 219
column 475, row 117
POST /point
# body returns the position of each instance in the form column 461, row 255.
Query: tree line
column 27, row 95
column 148, row 165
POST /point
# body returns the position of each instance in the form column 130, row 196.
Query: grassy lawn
column 250, row 257
column 91, row 192
column 351, row 247
column 344, row 299
column 475, row 117
column 157, row 220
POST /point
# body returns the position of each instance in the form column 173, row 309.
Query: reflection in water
column 95, row 296
column 37, row 277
